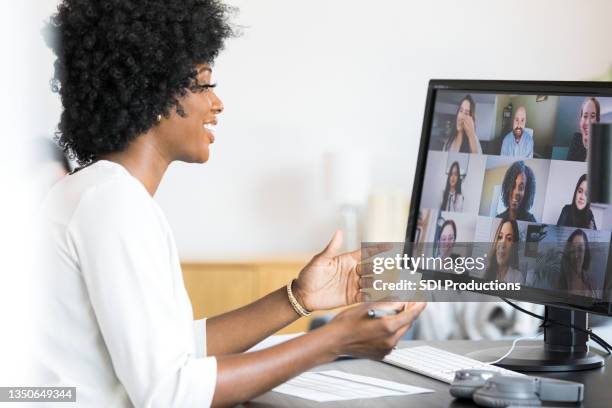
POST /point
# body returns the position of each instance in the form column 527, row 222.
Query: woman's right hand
column 469, row 127
column 241, row 377
column 359, row 335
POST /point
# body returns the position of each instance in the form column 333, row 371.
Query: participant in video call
column 504, row 254
column 578, row 213
column 464, row 139
column 447, row 239
column 575, row 263
column 518, row 191
column 518, row 142
column 452, row 199
column 589, row 114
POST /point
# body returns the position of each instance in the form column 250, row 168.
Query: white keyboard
column 438, row 364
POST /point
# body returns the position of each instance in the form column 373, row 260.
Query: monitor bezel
column 561, row 88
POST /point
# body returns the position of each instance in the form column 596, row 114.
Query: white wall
column 18, row 291
column 311, row 76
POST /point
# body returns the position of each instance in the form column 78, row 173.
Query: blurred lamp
column 347, row 182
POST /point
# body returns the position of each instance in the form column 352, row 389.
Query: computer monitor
column 508, row 160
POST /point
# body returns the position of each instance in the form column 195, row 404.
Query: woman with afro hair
column 518, row 191
column 135, row 81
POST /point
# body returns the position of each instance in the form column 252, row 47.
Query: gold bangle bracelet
column 299, row 309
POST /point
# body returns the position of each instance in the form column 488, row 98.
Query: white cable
column 513, row 346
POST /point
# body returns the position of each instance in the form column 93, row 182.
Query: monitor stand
column 563, row 349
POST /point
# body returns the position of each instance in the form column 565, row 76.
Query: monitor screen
column 505, row 164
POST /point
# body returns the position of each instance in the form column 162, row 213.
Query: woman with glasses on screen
column 575, row 265
column 504, row 254
column 590, row 112
column 452, row 199
column 464, row 139
column 518, row 191
column 578, row 213
column 116, row 322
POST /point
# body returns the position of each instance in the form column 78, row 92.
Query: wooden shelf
column 218, row 287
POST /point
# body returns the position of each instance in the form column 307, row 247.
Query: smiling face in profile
column 188, row 137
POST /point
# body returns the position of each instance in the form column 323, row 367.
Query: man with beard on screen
column 519, row 142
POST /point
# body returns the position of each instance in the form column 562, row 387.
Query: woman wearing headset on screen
column 464, row 139
column 504, row 254
column 518, row 191
column 116, row 322
column 575, row 265
column 578, row 213
column 452, row 199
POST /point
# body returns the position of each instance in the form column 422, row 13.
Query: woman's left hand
column 332, row 280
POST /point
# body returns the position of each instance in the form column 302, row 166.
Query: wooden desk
column 597, row 383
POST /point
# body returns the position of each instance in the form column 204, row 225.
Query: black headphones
column 490, row 389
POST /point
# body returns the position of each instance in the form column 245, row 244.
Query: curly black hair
column 512, row 173
column 121, row 63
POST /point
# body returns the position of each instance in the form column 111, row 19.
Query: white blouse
column 115, row 318
column 454, row 202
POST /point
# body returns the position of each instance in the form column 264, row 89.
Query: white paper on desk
column 334, row 385
column 274, row 340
